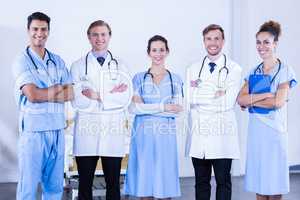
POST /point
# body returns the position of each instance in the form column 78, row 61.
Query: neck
column 214, row 57
column 157, row 69
column 99, row 51
column 270, row 62
column 40, row 50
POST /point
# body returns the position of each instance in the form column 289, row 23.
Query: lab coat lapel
column 94, row 71
column 107, row 59
column 213, row 77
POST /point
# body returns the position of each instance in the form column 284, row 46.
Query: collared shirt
column 45, row 115
column 102, row 54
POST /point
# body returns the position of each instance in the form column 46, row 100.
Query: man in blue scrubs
column 42, row 85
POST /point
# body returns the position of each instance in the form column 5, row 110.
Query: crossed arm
column 138, row 107
column 56, row 93
column 264, row 100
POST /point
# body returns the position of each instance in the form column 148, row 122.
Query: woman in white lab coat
column 102, row 92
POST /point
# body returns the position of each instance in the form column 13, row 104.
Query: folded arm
column 138, row 107
column 278, row 100
column 55, row 93
column 198, row 95
column 67, row 94
column 227, row 99
column 245, row 99
column 214, row 99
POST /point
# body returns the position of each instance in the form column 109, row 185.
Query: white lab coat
column 212, row 126
column 101, row 128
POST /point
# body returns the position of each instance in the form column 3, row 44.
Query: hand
column 270, row 95
column 173, row 108
column 91, row 94
column 194, row 83
column 55, row 89
column 119, row 88
column 220, row 93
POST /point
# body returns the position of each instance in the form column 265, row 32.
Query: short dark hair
column 271, row 27
column 99, row 23
column 212, row 27
column 38, row 16
column 157, row 38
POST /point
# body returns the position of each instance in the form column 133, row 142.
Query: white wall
column 132, row 22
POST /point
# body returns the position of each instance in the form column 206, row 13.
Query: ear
column 89, row 37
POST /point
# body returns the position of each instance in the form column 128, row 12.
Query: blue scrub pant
column 41, row 160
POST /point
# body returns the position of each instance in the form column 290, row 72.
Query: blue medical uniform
column 153, row 158
column 267, row 169
column 41, row 142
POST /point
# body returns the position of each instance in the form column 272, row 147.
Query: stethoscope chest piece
column 198, row 82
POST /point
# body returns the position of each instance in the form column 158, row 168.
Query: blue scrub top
column 276, row 118
column 151, row 93
column 39, row 116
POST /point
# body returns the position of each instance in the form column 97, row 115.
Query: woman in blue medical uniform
column 265, row 94
column 153, row 164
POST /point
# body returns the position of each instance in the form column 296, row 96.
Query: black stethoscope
column 112, row 60
column 260, row 66
column 171, row 81
column 47, row 62
column 220, row 71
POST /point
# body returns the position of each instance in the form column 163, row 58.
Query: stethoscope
column 112, row 61
column 170, row 78
column 220, row 71
column 47, row 63
column 260, row 66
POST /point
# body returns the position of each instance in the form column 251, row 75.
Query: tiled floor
column 7, row 190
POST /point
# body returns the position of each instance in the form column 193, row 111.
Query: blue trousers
column 41, row 160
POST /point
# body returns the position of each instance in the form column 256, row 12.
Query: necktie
column 100, row 60
column 212, row 66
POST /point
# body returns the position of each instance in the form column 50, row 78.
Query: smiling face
column 265, row 45
column 213, row 42
column 158, row 53
column 38, row 33
column 99, row 38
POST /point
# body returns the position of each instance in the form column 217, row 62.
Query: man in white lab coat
column 102, row 89
column 212, row 88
